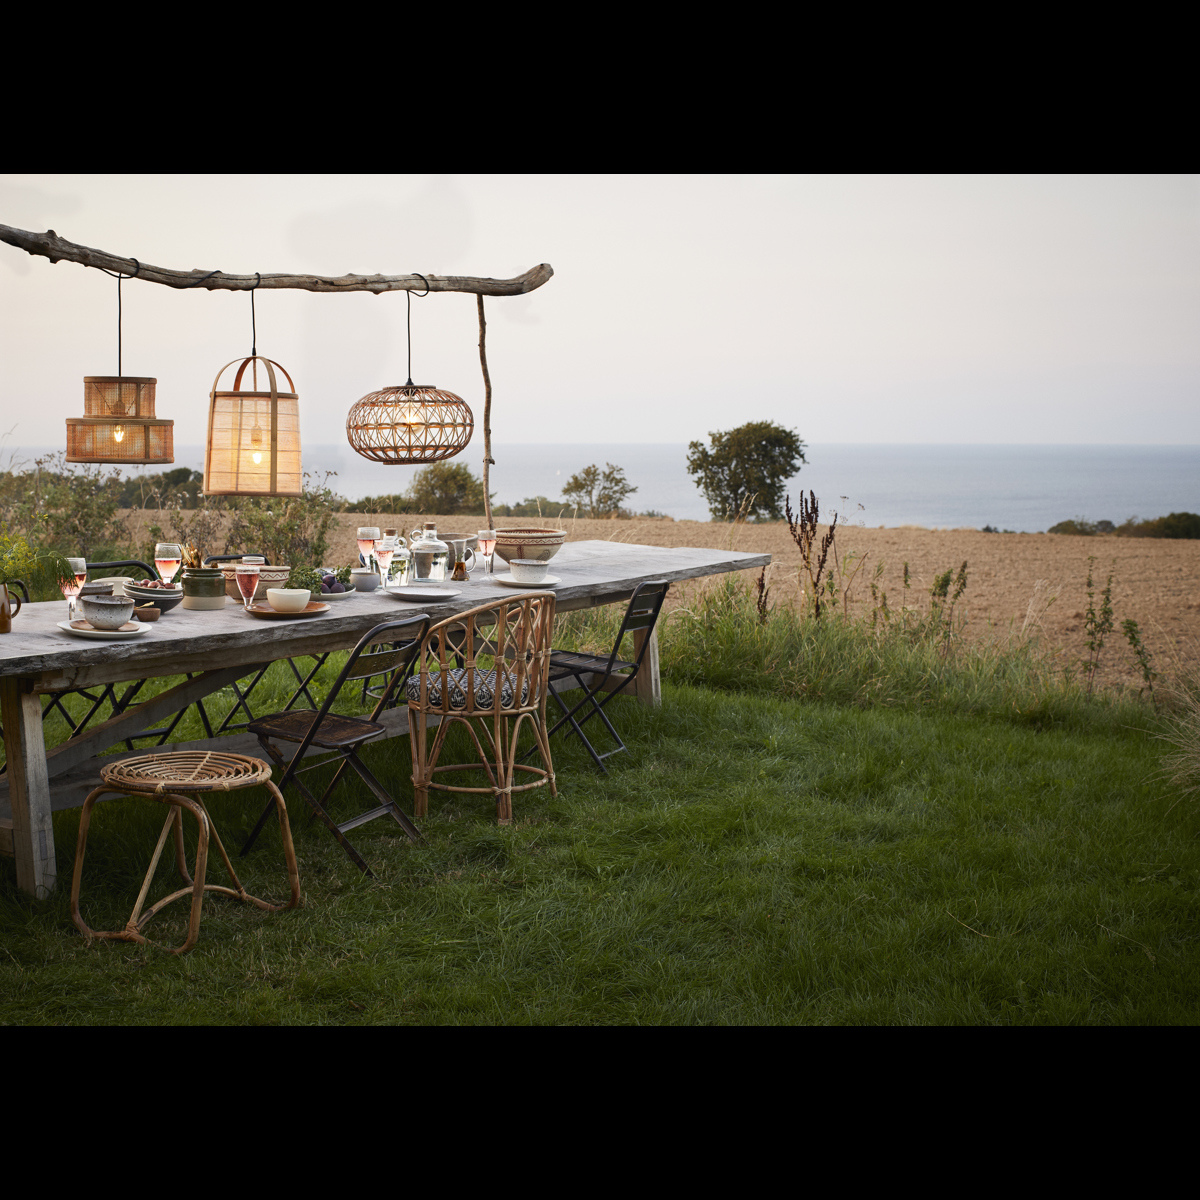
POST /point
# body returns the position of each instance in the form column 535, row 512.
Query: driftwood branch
column 57, row 249
column 488, row 460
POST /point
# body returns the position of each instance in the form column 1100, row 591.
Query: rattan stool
column 178, row 779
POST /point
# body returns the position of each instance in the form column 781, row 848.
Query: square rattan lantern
column 253, row 437
column 119, row 425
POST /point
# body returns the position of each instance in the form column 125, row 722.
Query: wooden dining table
column 215, row 649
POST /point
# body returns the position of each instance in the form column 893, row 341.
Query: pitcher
column 429, row 555
column 461, row 566
column 6, row 611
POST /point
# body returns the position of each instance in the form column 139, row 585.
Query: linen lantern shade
column 119, row 425
column 253, row 437
column 412, row 423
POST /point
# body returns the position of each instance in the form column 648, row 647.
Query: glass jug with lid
column 401, row 560
column 429, row 555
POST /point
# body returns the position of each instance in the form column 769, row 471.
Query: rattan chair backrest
column 514, row 635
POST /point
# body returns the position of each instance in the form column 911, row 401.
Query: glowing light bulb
column 257, row 456
column 256, row 440
column 119, row 433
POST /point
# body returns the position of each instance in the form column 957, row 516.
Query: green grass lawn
column 753, row 859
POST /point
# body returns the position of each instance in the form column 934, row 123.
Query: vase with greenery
column 23, row 568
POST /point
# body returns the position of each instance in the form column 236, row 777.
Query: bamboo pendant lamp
column 410, row 423
column 253, row 437
column 119, row 425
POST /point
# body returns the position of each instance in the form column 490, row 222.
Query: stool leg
column 180, row 852
column 131, row 926
column 197, row 888
column 85, row 819
column 289, row 851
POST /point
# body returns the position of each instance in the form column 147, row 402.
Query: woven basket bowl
column 268, row 577
column 529, row 542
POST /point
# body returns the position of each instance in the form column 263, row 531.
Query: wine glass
column 167, row 557
column 384, row 549
column 71, row 588
column 487, row 547
column 368, row 535
column 247, row 581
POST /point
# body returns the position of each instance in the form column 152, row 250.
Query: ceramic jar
column 203, row 588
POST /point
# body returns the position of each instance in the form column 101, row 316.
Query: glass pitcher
column 429, row 555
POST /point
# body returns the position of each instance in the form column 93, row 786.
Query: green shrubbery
column 1174, row 525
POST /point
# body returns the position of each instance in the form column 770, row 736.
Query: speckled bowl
column 106, row 612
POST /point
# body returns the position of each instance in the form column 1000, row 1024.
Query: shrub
column 744, row 472
column 1174, row 525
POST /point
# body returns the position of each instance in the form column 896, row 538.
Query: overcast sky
column 989, row 309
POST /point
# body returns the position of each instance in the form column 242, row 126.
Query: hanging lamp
column 118, row 423
column 410, row 423
column 253, row 446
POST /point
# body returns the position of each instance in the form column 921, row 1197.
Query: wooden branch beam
column 50, row 245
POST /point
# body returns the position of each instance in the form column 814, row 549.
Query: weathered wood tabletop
column 221, row 646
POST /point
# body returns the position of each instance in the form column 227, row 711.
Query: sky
column 878, row 309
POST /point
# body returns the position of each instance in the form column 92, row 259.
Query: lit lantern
column 409, row 424
column 119, row 425
column 253, row 437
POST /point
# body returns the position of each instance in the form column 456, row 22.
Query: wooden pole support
column 648, row 684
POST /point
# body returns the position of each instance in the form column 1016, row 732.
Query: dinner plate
column 509, row 581
column 268, row 613
column 80, row 628
column 422, row 594
column 333, row 596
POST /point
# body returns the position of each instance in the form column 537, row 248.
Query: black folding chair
column 640, row 617
column 343, row 736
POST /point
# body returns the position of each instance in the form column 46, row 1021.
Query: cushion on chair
column 485, row 689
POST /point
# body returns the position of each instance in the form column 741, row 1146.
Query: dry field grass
column 1034, row 582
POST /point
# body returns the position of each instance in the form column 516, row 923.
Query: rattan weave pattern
column 409, row 424
column 186, row 770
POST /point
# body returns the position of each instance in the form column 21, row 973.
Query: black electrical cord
column 422, row 295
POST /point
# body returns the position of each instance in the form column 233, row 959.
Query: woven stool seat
column 186, row 771
column 177, row 779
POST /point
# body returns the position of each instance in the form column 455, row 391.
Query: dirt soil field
column 1030, row 582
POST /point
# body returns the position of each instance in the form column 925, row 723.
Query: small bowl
column 163, row 600
column 118, row 583
column 529, row 542
column 147, row 614
column 363, row 579
column 106, row 612
column 528, row 570
column 288, row 599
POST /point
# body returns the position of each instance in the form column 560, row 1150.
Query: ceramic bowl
column 163, row 600
column 118, row 583
column 528, row 570
column 268, row 577
column 529, row 542
column 288, row 599
column 106, row 612
column 364, row 580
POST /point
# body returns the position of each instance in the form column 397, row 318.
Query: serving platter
column 81, row 628
column 509, row 581
column 312, row 609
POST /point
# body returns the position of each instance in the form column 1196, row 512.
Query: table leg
column 648, row 684
column 29, row 786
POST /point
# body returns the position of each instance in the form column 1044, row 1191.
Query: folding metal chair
column 343, row 736
column 640, row 619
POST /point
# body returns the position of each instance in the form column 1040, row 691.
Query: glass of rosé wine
column 247, row 581
column 167, row 557
column 71, row 588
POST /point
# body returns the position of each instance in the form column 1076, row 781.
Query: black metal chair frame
column 640, row 615
column 303, row 727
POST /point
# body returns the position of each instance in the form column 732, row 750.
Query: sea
column 1009, row 487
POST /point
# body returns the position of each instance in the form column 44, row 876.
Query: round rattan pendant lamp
column 410, row 423
column 253, row 446
column 118, row 423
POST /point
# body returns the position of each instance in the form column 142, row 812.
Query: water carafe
column 429, row 555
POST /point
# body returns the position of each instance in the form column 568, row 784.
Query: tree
column 445, row 489
column 598, row 493
column 744, row 471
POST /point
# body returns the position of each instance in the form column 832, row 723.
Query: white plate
column 509, row 581
column 104, row 635
column 421, row 594
column 323, row 596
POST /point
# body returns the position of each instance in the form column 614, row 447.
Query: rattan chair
column 513, row 636
column 343, row 736
column 612, row 674
column 180, row 779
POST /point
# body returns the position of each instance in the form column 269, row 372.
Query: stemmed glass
column 167, row 557
column 487, row 547
column 368, row 535
column 384, row 549
column 247, row 581
column 72, row 587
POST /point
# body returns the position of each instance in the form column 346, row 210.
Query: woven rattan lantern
column 119, row 425
column 412, row 423
column 253, row 437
